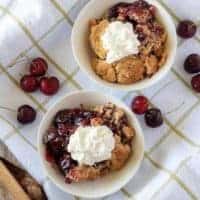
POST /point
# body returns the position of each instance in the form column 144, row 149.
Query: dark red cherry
column 140, row 105
column 26, row 114
column 49, row 85
column 38, row 67
column 29, row 83
column 186, row 29
column 195, row 82
column 192, row 63
column 153, row 118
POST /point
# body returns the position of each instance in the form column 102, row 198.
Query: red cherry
column 38, row 67
column 153, row 118
column 195, row 82
column 29, row 83
column 140, row 105
column 26, row 114
column 192, row 63
column 186, row 29
column 49, row 86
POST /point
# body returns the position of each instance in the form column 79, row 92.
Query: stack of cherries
column 192, row 66
column 153, row 116
column 187, row 29
column 36, row 80
column 32, row 82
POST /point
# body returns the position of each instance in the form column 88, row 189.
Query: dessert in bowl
column 90, row 144
column 125, row 45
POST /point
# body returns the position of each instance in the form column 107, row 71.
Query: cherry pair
column 33, row 81
column 192, row 66
column 153, row 116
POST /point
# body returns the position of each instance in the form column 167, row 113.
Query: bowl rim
column 40, row 145
column 145, row 83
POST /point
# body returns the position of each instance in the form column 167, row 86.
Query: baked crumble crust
column 152, row 52
column 108, row 115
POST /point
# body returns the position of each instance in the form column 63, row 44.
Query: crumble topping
column 152, row 37
column 65, row 125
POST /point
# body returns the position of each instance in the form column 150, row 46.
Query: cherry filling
column 139, row 11
column 64, row 125
column 142, row 16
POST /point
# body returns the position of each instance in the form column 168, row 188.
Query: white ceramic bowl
column 113, row 181
column 81, row 50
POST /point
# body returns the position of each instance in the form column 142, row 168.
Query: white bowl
column 113, row 181
column 81, row 49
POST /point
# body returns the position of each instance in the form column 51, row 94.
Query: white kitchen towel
column 32, row 28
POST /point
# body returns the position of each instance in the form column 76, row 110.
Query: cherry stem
column 20, row 61
column 162, row 88
column 175, row 109
column 27, row 59
column 21, row 74
column 165, row 86
column 9, row 109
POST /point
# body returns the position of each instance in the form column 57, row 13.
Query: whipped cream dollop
column 120, row 41
column 91, row 144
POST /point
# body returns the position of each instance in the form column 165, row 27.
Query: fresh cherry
column 26, row 114
column 49, row 85
column 192, row 63
column 38, row 67
column 153, row 118
column 186, row 29
column 195, row 82
column 140, row 105
column 29, row 83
